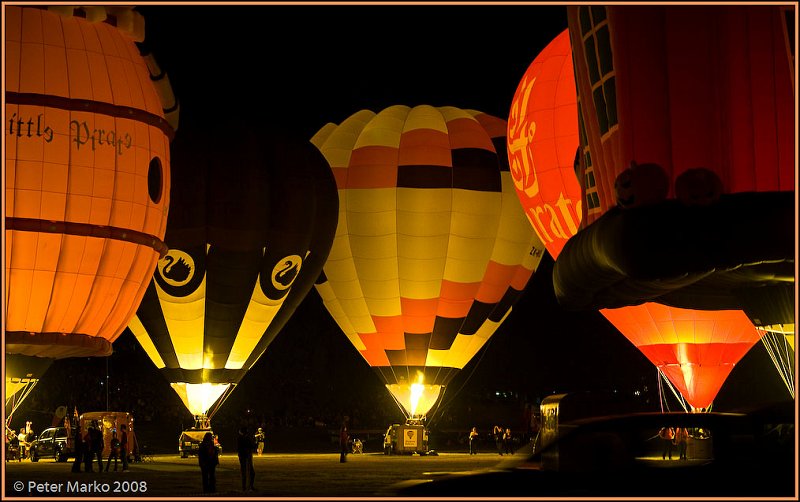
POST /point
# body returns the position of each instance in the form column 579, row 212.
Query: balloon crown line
column 123, row 17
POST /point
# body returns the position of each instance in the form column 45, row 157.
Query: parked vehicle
column 190, row 439
column 52, row 442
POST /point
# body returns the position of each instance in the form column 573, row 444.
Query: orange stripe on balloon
column 496, row 127
column 418, row 314
column 521, row 277
column 380, row 342
column 390, row 329
column 467, row 133
column 456, row 298
column 495, row 282
column 373, row 167
column 340, row 173
column 424, row 147
column 375, row 357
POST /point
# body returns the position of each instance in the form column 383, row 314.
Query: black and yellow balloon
column 432, row 247
column 253, row 224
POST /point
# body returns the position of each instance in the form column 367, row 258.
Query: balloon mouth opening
column 199, row 397
column 415, row 399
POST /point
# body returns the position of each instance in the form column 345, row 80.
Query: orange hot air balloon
column 542, row 144
column 695, row 349
column 87, row 178
column 432, row 248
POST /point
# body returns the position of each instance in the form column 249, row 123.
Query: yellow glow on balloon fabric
column 199, row 397
column 417, row 399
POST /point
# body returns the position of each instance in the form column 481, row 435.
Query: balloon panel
column 87, row 182
column 432, row 247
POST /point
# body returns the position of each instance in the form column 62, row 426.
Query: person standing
column 344, row 439
column 473, row 441
column 88, row 456
column 508, row 442
column 123, row 446
column 260, row 441
column 682, row 440
column 667, row 435
column 79, row 448
column 98, row 445
column 23, row 445
column 244, row 447
column 497, row 432
column 208, row 458
column 114, row 451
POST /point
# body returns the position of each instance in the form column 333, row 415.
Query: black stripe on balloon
column 152, row 318
column 504, row 305
column 231, row 277
column 424, row 177
column 86, row 230
column 404, row 374
column 219, row 375
column 445, row 330
column 502, row 153
column 476, row 169
column 91, row 106
column 477, row 315
column 318, row 224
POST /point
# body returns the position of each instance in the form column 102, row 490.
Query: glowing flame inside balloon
column 417, row 398
column 199, row 397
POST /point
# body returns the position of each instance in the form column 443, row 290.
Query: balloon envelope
column 695, row 349
column 254, row 222
column 87, row 181
column 432, row 246
column 542, row 143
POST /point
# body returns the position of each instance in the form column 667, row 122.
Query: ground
column 277, row 475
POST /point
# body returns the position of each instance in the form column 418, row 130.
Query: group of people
column 18, row 444
column 246, row 445
column 674, row 437
column 504, row 440
column 92, row 445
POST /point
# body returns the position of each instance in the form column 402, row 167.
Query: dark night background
column 296, row 68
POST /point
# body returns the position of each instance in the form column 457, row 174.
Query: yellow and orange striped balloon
column 432, row 246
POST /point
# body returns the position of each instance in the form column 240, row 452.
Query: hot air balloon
column 542, row 143
column 690, row 153
column 432, row 246
column 87, row 182
column 696, row 364
column 253, row 222
column 695, row 349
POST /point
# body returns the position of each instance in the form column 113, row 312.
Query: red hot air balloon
column 688, row 151
column 542, row 144
column 695, row 349
column 709, row 115
column 87, row 178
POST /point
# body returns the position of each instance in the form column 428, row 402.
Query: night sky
column 295, row 68
column 299, row 67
